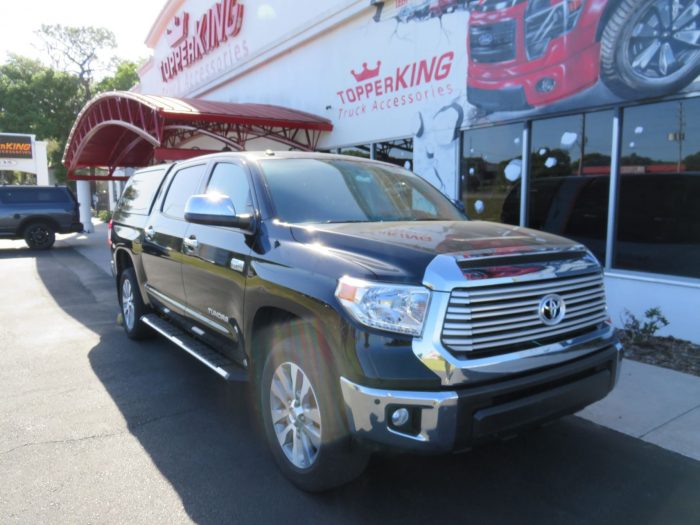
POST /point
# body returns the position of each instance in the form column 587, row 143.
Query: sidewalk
column 92, row 246
column 655, row 404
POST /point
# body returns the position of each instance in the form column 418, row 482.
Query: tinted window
column 570, row 171
column 658, row 224
column 491, row 168
column 315, row 190
column 139, row 192
column 232, row 180
column 399, row 152
column 35, row 195
column 184, row 185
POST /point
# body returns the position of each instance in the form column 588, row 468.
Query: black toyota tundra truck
column 362, row 306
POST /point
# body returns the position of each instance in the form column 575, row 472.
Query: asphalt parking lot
column 95, row 428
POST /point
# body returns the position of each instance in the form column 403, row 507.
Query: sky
column 129, row 20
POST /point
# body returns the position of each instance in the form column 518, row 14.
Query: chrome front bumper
column 452, row 420
column 369, row 410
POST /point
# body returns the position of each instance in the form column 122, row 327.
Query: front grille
column 505, row 318
column 493, row 43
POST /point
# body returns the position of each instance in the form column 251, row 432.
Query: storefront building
column 578, row 117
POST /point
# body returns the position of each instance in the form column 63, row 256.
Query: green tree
column 39, row 100
column 124, row 78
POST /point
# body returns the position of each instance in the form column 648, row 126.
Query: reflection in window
column 399, row 152
column 182, row 187
column 658, row 225
column 231, row 180
column 490, row 171
column 352, row 192
column 361, row 150
column 570, row 173
column 139, row 192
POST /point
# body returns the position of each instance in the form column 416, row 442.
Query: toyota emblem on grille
column 552, row 309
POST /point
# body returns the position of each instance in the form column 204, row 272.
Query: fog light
column 546, row 84
column 400, row 417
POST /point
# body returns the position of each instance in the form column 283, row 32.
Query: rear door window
column 35, row 195
column 185, row 183
column 140, row 190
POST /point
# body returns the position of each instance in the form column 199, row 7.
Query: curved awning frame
column 125, row 129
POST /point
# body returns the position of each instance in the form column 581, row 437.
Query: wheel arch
column 34, row 219
column 123, row 259
column 271, row 321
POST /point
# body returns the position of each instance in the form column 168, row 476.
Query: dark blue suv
column 37, row 213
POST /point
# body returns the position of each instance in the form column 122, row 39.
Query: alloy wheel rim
column 296, row 417
column 39, row 236
column 664, row 40
column 128, row 304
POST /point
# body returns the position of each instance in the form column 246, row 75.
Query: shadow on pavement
column 201, row 434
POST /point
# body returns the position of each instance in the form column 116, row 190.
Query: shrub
column 104, row 215
column 640, row 331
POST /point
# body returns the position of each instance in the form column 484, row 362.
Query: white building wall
column 298, row 56
column 678, row 300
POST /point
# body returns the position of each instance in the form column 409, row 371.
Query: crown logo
column 366, row 73
column 178, row 29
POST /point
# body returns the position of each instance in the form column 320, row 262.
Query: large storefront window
column 570, row 177
column 399, row 152
column 491, row 169
column 361, row 150
column 658, row 224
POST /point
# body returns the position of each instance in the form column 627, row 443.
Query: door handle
column 237, row 265
column 190, row 243
column 150, row 233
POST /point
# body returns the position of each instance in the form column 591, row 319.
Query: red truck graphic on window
column 530, row 53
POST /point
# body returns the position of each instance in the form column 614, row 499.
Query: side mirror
column 216, row 210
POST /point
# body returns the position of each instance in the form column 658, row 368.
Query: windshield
column 332, row 190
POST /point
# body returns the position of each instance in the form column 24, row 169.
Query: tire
column 326, row 456
column 40, row 235
column 639, row 57
column 132, row 306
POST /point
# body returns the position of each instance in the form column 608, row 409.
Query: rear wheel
column 40, row 235
column 302, row 413
column 132, row 306
column 651, row 47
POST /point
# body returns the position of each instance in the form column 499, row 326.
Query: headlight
column 396, row 308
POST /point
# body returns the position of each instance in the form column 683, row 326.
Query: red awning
column 125, row 129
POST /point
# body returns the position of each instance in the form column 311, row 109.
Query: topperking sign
column 15, row 146
column 190, row 42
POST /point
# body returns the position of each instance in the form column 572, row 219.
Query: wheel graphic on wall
column 651, row 47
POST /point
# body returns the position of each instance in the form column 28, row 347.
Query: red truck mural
column 532, row 53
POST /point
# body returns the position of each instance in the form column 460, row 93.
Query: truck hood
column 402, row 250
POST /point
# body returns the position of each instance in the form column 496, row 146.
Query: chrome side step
column 220, row 364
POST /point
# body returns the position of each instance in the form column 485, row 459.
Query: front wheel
column 302, row 413
column 651, row 47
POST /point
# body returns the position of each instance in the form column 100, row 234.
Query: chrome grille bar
column 496, row 316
